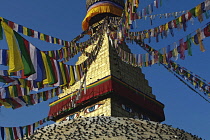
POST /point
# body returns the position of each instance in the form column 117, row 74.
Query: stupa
column 112, row 88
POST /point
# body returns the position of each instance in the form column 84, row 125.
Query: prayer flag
column 7, row 133
column 15, row 61
column 2, row 133
column 33, row 57
column 49, row 74
column 57, row 73
column 41, row 74
column 63, row 73
column 72, row 76
column 200, row 40
column 11, row 133
column 24, row 45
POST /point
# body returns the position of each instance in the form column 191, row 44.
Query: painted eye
column 126, row 108
column 92, row 108
column 73, row 116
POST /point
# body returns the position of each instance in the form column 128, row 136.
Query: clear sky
column 62, row 19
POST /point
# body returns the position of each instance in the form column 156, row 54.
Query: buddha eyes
column 126, row 108
column 73, row 116
column 92, row 108
column 87, row 110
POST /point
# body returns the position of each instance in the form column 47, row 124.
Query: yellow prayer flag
column 147, row 35
column 25, row 98
column 164, row 55
column 198, row 10
column 166, row 27
column 201, row 84
column 153, row 60
column 11, row 91
column 188, row 75
column 25, row 31
column 65, row 52
column 42, row 36
column 37, row 124
column 55, row 42
column 137, row 3
column 198, row 31
column 47, row 68
column 175, row 53
column 15, row 61
column 23, row 83
column 5, row 104
column 72, row 77
column 7, row 133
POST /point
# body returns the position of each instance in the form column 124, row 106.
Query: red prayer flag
column 15, row 133
column 11, row 24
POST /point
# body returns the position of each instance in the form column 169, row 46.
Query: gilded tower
column 112, row 87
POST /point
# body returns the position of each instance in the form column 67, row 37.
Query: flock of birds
column 110, row 128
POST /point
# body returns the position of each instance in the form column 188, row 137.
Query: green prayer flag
column 28, row 65
column 15, row 91
column 52, row 74
column 11, row 133
column 189, row 45
column 29, row 100
column 177, row 21
column 26, row 131
column 5, row 20
column 160, row 57
column 192, row 11
column 44, row 96
column 29, row 32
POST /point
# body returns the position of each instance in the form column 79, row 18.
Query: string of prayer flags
column 165, row 15
column 163, row 30
column 66, row 53
column 189, row 86
column 185, row 74
column 35, row 34
column 18, row 101
column 149, row 9
column 61, row 73
column 165, row 54
column 15, row 133
column 31, row 58
column 130, row 13
column 16, row 96
column 196, row 81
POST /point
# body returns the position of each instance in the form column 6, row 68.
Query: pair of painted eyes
column 126, row 108
column 92, row 108
column 88, row 110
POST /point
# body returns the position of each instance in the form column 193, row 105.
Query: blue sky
column 62, row 19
